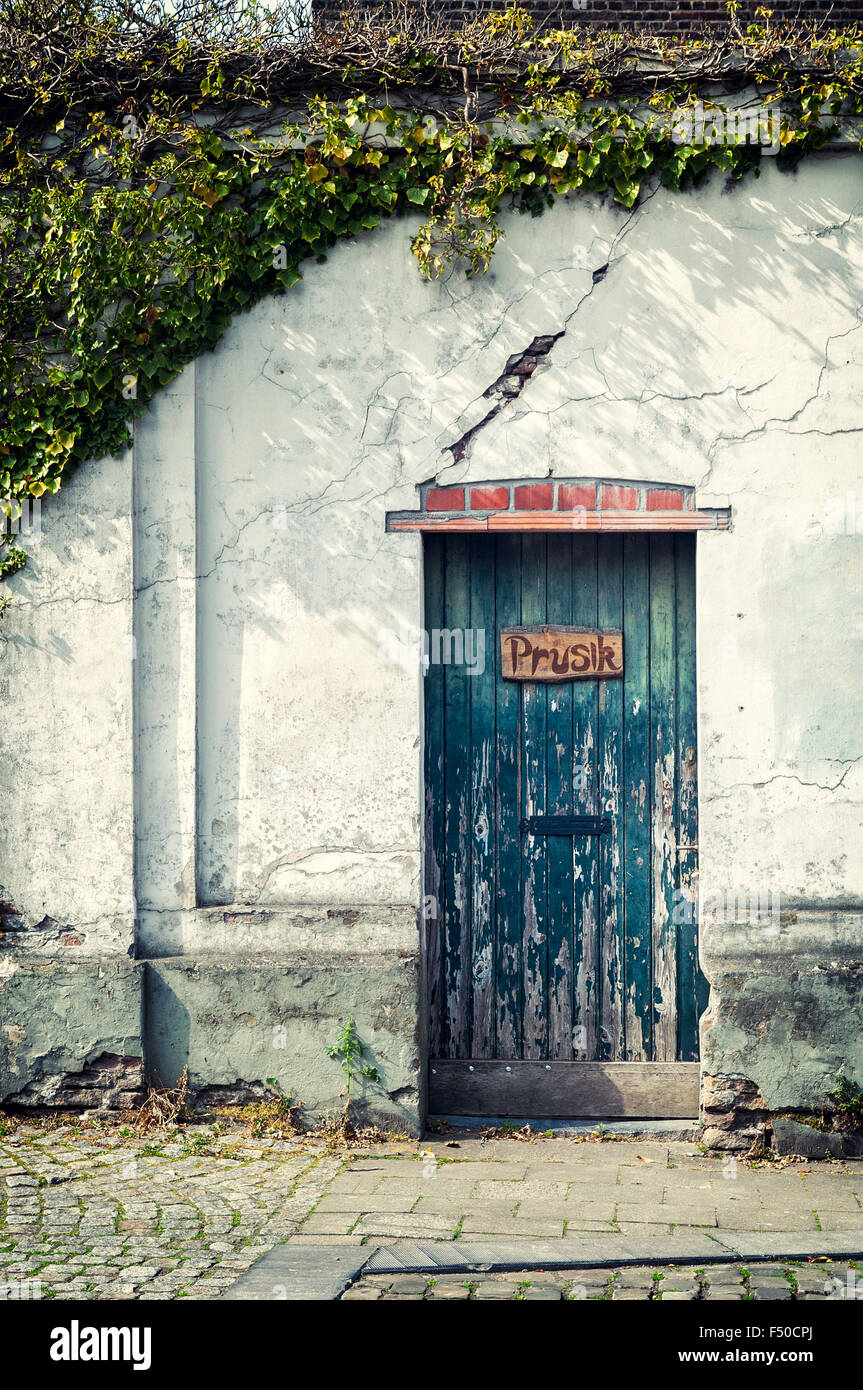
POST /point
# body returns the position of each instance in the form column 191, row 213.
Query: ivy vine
column 165, row 166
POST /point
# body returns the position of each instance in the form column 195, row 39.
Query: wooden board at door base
column 571, row 1090
column 556, row 653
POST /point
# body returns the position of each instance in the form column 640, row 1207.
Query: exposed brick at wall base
column 71, row 1031
column 683, row 17
column 109, row 1082
column 737, row 1120
column 733, row 1112
column 206, row 1099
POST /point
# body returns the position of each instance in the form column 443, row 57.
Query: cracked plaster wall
column 712, row 338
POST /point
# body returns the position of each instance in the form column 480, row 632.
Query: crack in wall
column 788, row 777
column 508, row 387
column 460, row 449
column 773, row 424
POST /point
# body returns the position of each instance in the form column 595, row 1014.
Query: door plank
column 508, row 944
column 558, row 850
column 457, row 838
column 482, row 757
column 663, row 771
column 534, row 864
column 585, row 798
column 545, row 1090
column 433, row 907
column 638, row 1008
column 692, row 986
column 612, row 1045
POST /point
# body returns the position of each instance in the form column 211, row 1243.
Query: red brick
column 445, row 499
column 535, row 497
column 618, row 499
column 489, row 499
column 667, row 499
column 573, row 495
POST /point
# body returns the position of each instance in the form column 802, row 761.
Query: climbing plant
column 163, row 166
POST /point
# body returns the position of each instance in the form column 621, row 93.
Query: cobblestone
column 116, row 1219
column 662, row 1284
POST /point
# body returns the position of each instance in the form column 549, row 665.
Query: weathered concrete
column 235, row 1023
column 66, row 697
column 245, row 930
column 792, row 1136
column 711, row 339
column 70, row 1032
column 307, row 1273
column 784, row 1019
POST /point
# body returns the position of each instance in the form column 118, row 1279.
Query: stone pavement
column 97, row 1213
column 559, row 1189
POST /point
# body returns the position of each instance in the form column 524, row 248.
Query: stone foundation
column 783, row 1021
column 733, row 1113
column 736, row 1119
column 83, row 1034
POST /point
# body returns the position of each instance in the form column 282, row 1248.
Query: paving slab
column 840, row 1220
column 406, row 1227
column 304, row 1273
column 510, row 1226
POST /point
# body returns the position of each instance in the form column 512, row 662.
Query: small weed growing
column 846, row 1102
column 349, row 1051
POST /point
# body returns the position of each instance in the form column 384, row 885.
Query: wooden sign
column 561, row 653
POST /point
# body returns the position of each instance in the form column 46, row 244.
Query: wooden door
column 562, row 973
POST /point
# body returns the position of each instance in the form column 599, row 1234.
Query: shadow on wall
column 236, row 1023
column 166, row 1030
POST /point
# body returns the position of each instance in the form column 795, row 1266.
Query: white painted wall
column 721, row 349
column 66, row 748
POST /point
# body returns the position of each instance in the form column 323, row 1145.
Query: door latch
column 565, row 825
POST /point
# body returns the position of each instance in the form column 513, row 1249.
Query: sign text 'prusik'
column 561, row 653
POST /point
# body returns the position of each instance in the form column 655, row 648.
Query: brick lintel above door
column 559, row 504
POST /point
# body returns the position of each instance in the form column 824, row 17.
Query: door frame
column 526, row 1088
